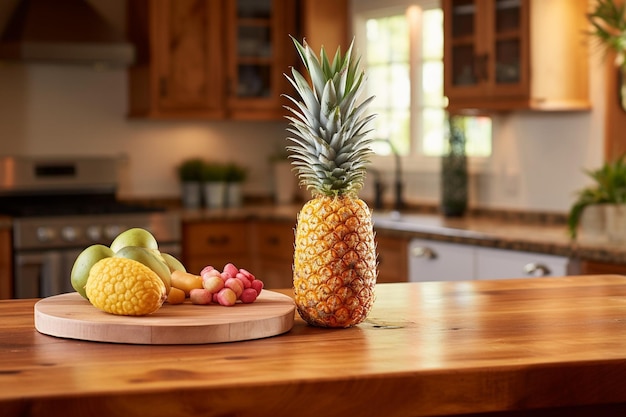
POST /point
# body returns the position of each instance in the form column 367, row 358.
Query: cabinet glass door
column 510, row 49
column 465, row 57
column 253, row 49
column 508, row 43
column 465, row 71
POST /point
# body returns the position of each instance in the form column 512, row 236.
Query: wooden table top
column 553, row 345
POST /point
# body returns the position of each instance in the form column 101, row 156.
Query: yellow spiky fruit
column 124, row 287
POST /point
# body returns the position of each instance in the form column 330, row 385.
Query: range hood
column 63, row 32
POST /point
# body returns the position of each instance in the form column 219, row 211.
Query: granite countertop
column 541, row 236
column 519, row 234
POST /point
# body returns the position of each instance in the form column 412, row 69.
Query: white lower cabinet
column 442, row 261
column 502, row 263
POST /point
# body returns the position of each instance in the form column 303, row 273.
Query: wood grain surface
column 71, row 316
column 531, row 347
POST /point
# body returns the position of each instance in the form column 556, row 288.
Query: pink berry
column 200, row 296
column 206, row 269
column 226, row 297
column 212, row 283
column 210, row 271
column 257, row 284
column 245, row 281
column 230, row 269
column 235, row 285
column 247, row 274
column 248, row 295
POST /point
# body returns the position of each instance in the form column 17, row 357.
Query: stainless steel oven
column 60, row 206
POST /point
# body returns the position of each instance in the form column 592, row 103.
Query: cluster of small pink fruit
column 226, row 287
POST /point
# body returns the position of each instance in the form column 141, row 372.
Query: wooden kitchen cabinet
column 6, row 271
column 179, row 71
column 515, row 54
column 325, row 23
column 600, row 268
column 274, row 245
column 216, row 243
column 210, row 59
column 392, row 258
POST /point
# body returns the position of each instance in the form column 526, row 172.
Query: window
column 403, row 57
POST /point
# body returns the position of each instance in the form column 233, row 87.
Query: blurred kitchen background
column 537, row 159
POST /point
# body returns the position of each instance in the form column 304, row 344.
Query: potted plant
column 214, row 180
column 608, row 21
column 609, row 193
column 190, row 176
column 235, row 176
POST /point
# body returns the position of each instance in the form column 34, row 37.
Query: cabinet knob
column 537, row 269
column 218, row 240
column 423, row 252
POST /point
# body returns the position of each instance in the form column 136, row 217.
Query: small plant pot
column 214, row 194
column 615, row 222
column 234, row 197
column 191, row 194
column 593, row 223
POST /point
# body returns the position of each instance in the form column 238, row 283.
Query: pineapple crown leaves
column 329, row 145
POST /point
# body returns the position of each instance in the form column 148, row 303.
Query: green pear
column 135, row 236
column 173, row 263
column 147, row 257
column 83, row 263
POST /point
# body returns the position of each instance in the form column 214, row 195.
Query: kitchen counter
column 497, row 232
column 548, row 346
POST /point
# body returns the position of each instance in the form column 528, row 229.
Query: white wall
column 48, row 110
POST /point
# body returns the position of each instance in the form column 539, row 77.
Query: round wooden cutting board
column 71, row 316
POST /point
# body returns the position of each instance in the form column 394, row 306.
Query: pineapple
column 335, row 267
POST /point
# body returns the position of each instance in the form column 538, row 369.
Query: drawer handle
column 218, row 240
column 423, row 252
column 272, row 240
column 537, row 269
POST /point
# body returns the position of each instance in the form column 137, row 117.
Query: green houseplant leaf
column 609, row 187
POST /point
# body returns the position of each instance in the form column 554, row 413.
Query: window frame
column 362, row 10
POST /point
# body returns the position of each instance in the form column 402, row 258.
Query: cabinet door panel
column 440, row 261
column 465, row 65
column 501, row 264
column 6, row 271
column 216, row 243
column 276, row 274
column 187, row 50
column 275, row 240
column 258, row 52
column 392, row 259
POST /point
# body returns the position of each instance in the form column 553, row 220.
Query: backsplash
column 537, row 164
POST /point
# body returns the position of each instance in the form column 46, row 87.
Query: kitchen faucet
column 398, row 185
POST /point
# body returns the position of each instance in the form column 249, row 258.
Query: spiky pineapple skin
column 335, row 267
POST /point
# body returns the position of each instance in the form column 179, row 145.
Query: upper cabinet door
column 179, row 71
column 508, row 47
column 515, row 54
column 465, row 56
column 259, row 51
column 186, row 49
